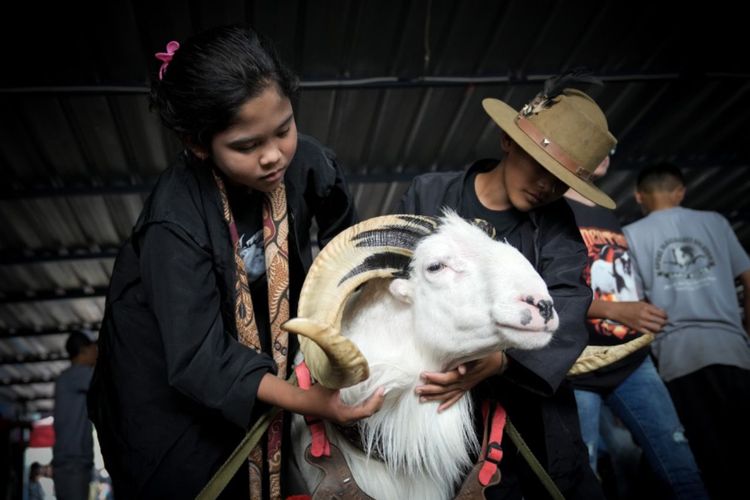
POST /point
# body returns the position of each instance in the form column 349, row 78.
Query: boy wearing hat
column 556, row 141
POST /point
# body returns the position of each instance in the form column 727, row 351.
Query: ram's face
column 468, row 295
column 473, row 295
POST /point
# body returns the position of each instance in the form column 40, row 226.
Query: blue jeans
column 643, row 404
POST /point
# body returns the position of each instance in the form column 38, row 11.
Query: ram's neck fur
column 412, row 437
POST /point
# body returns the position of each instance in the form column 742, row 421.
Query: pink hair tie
column 166, row 57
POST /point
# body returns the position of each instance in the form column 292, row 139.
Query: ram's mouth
column 524, row 328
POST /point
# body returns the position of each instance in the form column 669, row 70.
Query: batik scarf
column 275, row 244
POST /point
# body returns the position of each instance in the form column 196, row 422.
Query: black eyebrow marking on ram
column 429, row 223
column 381, row 260
column 405, row 236
column 390, row 236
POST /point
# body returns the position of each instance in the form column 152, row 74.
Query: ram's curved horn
column 594, row 357
column 380, row 247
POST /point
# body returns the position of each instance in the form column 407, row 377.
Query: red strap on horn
column 320, row 445
column 494, row 451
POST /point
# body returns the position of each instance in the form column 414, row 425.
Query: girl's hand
column 327, row 405
column 450, row 386
column 317, row 401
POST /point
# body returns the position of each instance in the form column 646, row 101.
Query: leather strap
column 485, row 472
column 493, row 451
column 552, row 148
column 352, row 434
column 472, row 488
column 337, row 479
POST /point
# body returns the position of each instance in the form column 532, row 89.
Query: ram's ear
column 401, row 289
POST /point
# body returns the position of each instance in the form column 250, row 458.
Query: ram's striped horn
column 594, row 357
column 380, row 247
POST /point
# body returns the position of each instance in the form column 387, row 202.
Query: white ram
column 460, row 296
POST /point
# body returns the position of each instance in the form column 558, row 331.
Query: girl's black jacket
column 173, row 390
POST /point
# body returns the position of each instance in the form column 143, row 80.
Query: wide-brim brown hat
column 567, row 134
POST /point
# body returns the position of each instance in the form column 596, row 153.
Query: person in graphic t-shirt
column 688, row 261
column 631, row 387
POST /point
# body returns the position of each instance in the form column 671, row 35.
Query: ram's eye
column 435, row 267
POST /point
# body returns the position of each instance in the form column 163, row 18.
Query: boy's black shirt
column 504, row 221
column 533, row 390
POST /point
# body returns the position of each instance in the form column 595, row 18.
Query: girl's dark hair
column 211, row 76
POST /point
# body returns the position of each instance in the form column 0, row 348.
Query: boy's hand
column 639, row 315
column 450, row 386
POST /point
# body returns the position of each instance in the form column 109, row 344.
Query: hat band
column 552, row 148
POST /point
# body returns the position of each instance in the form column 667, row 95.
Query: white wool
column 466, row 297
column 411, row 436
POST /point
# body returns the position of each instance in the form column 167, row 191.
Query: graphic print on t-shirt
column 685, row 262
column 609, row 273
column 253, row 255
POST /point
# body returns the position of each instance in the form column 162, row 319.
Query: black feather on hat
column 554, row 86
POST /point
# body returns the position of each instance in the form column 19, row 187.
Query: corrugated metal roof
column 394, row 87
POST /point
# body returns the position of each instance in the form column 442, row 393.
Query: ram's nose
column 542, row 311
column 545, row 309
